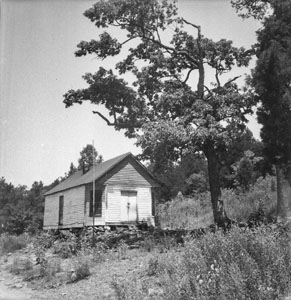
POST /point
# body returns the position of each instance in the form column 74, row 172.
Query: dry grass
column 186, row 212
column 196, row 211
column 11, row 243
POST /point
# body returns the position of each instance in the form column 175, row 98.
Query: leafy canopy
column 89, row 156
column 168, row 99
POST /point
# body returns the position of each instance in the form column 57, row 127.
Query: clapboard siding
column 144, row 203
column 129, row 173
column 113, row 200
column 73, row 215
column 51, row 209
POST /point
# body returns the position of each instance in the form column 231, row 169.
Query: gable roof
column 78, row 178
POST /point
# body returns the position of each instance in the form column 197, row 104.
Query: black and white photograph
column 145, row 149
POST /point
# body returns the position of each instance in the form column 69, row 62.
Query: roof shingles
column 78, row 178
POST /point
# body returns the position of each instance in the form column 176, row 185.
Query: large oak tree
column 168, row 108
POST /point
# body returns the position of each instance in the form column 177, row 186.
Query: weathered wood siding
column 98, row 220
column 128, row 176
column 73, row 215
column 113, row 204
column 128, row 173
column 144, row 203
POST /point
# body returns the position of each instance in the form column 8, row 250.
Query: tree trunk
column 220, row 217
column 282, row 203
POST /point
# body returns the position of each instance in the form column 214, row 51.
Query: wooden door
column 61, row 210
column 128, row 209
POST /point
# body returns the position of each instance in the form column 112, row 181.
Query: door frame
column 122, row 203
column 61, row 210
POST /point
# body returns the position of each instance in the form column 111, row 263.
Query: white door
column 128, row 208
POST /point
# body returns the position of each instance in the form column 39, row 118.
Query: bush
column 52, row 267
column 99, row 252
column 251, row 264
column 80, row 269
column 20, row 266
column 186, row 212
column 65, row 249
column 240, row 205
column 11, row 243
column 122, row 249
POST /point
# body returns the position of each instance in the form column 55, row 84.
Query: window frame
column 98, row 203
column 61, row 210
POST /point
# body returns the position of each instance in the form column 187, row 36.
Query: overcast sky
column 39, row 137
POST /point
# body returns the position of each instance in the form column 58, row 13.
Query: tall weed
column 241, row 204
column 196, row 211
column 186, row 212
column 11, row 243
column 242, row 264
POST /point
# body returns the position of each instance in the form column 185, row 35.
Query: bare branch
column 189, row 23
column 208, row 90
column 187, row 77
column 105, row 119
column 217, row 77
column 132, row 38
column 231, row 80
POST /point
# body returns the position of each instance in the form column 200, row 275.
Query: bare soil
column 97, row 286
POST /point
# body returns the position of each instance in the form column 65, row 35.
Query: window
column 153, row 204
column 98, row 203
column 61, row 210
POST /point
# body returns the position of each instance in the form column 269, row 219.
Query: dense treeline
column 240, row 167
column 22, row 208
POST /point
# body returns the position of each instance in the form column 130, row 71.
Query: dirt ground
column 12, row 287
column 97, row 286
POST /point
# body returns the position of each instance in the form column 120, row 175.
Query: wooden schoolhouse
column 125, row 193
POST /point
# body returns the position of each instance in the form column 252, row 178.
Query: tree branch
column 208, row 90
column 132, row 38
column 104, row 118
column 189, row 23
column 217, row 77
column 231, row 80
column 188, row 74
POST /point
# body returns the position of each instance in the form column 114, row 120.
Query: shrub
column 148, row 244
column 79, row 270
column 251, row 264
column 44, row 240
column 122, row 249
column 186, row 212
column 99, row 252
column 11, row 243
column 240, row 204
column 20, row 266
column 65, row 248
column 52, row 267
column 153, row 265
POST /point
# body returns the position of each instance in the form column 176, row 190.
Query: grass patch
column 11, row 243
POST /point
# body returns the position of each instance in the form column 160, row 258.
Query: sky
column 39, row 137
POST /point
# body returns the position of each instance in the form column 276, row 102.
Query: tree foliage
column 88, row 156
column 21, row 209
column 271, row 80
column 168, row 107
